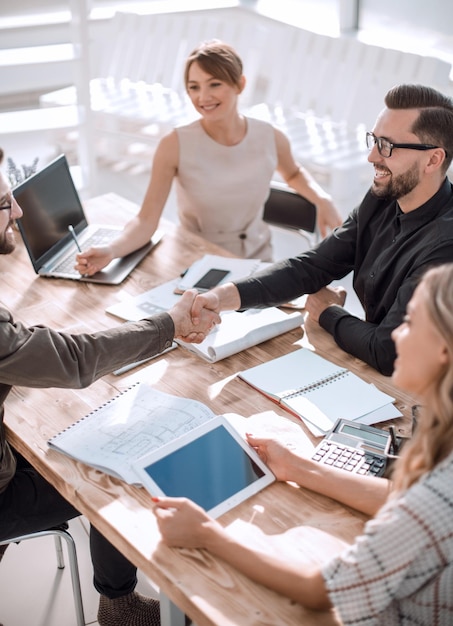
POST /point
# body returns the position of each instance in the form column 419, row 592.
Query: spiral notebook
column 135, row 422
column 318, row 391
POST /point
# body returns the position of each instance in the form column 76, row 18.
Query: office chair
column 287, row 209
column 61, row 532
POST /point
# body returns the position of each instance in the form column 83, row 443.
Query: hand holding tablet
column 211, row 465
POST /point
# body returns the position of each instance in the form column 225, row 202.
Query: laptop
column 50, row 205
column 210, row 464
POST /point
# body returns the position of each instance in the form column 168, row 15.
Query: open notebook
column 50, row 204
column 319, row 391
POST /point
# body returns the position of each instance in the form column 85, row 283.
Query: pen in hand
column 74, row 236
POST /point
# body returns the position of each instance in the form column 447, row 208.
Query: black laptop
column 50, row 205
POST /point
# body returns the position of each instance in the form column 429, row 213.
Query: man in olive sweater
column 41, row 357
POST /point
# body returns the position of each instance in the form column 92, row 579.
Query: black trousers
column 30, row 504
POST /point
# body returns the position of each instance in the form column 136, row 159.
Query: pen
column 395, row 445
column 130, row 366
column 74, row 236
column 126, row 368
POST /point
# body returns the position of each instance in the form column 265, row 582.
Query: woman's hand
column 183, row 524
column 275, row 454
column 93, row 260
column 327, row 216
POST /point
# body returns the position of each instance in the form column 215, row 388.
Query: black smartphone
column 210, row 279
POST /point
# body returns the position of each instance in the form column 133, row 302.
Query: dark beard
column 7, row 241
column 399, row 186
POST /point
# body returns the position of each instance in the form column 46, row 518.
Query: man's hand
column 322, row 299
column 223, row 298
column 185, row 328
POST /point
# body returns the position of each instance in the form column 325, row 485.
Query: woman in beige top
column 222, row 163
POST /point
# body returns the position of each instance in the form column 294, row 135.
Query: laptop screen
column 50, row 203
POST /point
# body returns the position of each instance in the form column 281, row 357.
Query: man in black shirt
column 403, row 226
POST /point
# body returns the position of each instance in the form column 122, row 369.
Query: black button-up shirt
column 387, row 250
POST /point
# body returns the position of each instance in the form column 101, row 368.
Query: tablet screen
column 210, row 469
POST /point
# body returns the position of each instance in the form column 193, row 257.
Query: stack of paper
column 155, row 300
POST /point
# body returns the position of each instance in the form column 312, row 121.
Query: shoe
column 130, row 610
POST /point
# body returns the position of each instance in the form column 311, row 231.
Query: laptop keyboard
column 100, row 237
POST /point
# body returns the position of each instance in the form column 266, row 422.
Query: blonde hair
column 218, row 59
column 433, row 438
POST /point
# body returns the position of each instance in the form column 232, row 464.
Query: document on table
column 112, row 437
column 239, row 331
column 319, row 392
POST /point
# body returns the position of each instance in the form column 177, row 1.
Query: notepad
column 318, row 391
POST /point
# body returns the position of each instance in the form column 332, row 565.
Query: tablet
column 211, row 464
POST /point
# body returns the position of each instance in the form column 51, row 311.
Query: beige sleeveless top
column 221, row 190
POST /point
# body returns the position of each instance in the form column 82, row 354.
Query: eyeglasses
column 7, row 203
column 385, row 147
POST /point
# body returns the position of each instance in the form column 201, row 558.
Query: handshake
column 193, row 319
column 195, row 315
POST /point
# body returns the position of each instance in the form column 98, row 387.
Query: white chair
column 59, row 533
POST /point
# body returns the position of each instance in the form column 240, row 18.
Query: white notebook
column 318, row 391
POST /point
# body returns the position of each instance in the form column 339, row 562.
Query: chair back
column 288, row 209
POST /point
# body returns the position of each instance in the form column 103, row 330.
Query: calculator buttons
column 349, row 458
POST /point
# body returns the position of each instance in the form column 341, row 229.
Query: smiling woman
column 400, row 570
column 222, row 165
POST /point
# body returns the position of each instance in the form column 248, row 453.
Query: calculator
column 355, row 448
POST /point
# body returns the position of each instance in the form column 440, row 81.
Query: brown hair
column 434, row 125
column 433, row 439
column 217, row 59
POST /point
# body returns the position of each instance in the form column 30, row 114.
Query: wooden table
column 285, row 517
